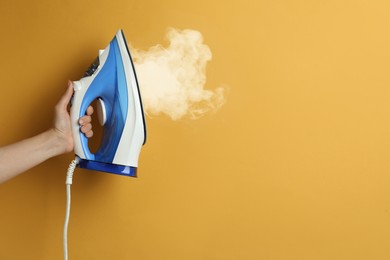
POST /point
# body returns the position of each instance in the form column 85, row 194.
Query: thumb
column 64, row 101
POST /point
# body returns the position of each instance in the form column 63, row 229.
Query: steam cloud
column 172, row 79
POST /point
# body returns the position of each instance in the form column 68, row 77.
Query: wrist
column 60, row 142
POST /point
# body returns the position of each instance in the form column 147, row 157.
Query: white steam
column 172, row 79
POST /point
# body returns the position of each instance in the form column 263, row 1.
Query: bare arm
column 21, row 156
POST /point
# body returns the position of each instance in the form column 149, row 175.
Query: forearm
column 21, row 156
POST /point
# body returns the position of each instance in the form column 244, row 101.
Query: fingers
column 90, row 110
column 87, row 130
column 87, row 119
column 86, row 126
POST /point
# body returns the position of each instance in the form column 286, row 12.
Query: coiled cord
column 68, row 182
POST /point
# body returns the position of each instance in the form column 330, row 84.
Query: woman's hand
column 62, row 123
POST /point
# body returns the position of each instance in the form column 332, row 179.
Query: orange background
column 294, row 166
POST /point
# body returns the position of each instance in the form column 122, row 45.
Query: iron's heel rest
column 108, row 167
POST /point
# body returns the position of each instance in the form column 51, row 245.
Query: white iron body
column 112, row 81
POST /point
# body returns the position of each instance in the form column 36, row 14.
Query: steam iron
column 112, row 81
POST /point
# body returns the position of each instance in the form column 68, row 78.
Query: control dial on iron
column 94, row 66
